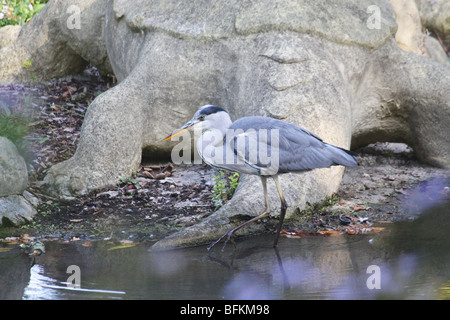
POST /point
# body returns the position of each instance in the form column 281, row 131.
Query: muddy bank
column 389, row 185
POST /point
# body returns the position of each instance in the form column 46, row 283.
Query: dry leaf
column 123, row 246
column 330, row 233
column 87, row 244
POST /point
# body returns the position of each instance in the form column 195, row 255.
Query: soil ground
column 389, row 185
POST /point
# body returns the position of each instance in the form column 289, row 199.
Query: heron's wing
column 220, row 154
column 288, row 147
column 291, row 148
column 251, row 148
column 299, row 150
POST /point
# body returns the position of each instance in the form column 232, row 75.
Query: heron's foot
column 227, row 236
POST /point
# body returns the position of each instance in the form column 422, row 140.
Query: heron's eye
column 201, row 118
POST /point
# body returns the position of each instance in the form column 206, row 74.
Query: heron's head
column 207, row 117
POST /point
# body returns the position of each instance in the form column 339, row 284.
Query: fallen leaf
column 12, row 242
column 27, row 237
column 377, row 229
column 124, row 241
column 160, row 176
column 365, row 230
column 148, row 174
column 296, row 233
column 87, row 244
column 123, row 246
column 330, row 233
column 351, row 231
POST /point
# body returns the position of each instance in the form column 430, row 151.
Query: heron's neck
column 223, row 125
column 216, row 135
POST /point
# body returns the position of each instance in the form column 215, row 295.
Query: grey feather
column 299, row 149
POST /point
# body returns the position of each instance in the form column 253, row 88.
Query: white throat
column 213, row 134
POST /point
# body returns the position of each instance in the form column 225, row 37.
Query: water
column 411, row 261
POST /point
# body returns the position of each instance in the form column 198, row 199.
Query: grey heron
column 260, row 146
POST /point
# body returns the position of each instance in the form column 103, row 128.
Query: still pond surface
column 409, row 260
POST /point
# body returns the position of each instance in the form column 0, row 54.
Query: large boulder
column 15, row 203
column 8, row 34
column 13, row 169
column 410, row 35
column 333, row 68
column 63, row 38
column 15, row 210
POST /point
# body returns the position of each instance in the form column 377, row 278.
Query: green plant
column 19, row 12
column 28, row 63
column 43, row 139
column 224, row 187
column 130, row 182
column 14, row 126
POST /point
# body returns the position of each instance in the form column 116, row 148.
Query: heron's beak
column 180, row 130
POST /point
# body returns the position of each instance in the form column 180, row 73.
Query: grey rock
column 54, row 44
column 436, row 17
column 13, row 169
column 15, row 210
column 435, row 51
column 16, row 204
column 410, row 35
column 8, row 34
column 34, row 201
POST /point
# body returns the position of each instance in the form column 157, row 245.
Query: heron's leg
column 262, row 215
column 283, row 209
